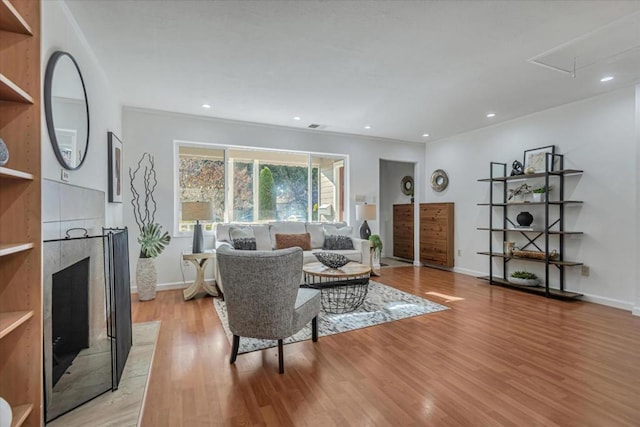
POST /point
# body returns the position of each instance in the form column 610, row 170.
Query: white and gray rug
column 383, row 304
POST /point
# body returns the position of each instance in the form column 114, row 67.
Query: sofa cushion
column 245, row 244
column 222, row 232
column 337, row 231
column 285, row 227
column 238, row 232
column 317, row 234
column 284, row 241
column 263, row 236
column 334, row 242
column 243, row 238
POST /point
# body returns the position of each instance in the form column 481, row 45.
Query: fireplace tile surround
column 64, row 207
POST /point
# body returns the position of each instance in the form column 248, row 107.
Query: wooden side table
column 200, row 261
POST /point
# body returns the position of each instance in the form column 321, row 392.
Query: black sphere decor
column 524, row 219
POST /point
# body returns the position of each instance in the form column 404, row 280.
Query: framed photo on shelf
column 535, row 158
column 115, row 168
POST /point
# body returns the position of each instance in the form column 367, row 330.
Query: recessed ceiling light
column 297, row 118
column 426, row 135
column 606, row 79
column 491, row 115
column 206, row 106
column 367, row 127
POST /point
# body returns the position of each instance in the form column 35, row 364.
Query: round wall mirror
column 66, row 110
column 406, row 185
column 439, row 180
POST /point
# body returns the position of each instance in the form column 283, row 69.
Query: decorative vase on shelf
column 146, row 278
column 524, row 219
column 6, row 414
column 539, row 197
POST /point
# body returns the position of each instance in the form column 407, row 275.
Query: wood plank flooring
column 497, row 357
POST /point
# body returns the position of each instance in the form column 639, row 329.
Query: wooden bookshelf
column 11, row 20
column 20, row 414
column 12, row 248
column 6, row 173
column 10, row 321
column 21, row 219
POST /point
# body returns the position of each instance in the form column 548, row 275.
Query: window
column 201, row 179
column 262, row 185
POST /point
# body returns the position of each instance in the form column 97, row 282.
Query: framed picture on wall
column 115, row 168
column 536, row 158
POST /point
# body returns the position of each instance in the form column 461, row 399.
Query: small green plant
column 523, row 275
column 376, row 244
column 541, row 190
column 152, row 242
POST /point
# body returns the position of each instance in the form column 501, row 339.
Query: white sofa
column 265, row 238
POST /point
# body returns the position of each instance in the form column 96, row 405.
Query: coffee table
column 342, row 289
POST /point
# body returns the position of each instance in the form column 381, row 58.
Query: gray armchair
column 263, row 296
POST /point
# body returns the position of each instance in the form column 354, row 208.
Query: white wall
column 391, row 173
column 60, row 32
column 155, row 132
column 597, row 135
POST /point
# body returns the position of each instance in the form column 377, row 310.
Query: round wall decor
column 439, row 180
column 406, row 185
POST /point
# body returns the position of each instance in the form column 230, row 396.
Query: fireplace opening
column 69, row 316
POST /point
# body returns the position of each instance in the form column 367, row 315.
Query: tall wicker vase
column 146, row 278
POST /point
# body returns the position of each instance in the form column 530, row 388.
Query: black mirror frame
column 48, row 81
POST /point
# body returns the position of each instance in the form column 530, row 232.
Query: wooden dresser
column 403, row 231
column 436, row 234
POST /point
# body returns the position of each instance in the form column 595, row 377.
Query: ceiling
column 405, row 68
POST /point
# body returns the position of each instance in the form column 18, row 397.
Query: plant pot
column 539, row 197
column 146, row 279
column 524, row 282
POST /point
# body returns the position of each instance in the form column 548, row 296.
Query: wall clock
column 406, row 184
column 439, row 180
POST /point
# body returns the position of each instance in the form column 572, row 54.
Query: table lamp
column 363, row 213
column 197, row 211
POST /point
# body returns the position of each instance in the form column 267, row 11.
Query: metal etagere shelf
column 538, row 239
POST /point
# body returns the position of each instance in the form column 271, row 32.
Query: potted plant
column 152, row 240
column 540, row 193
column 524, row 278
column 376, row 245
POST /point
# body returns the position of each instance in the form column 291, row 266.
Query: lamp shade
column 197, row 211
column 365, row 212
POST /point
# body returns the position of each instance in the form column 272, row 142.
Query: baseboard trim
column 171, row 286
column 468, row 272
column 609, row 302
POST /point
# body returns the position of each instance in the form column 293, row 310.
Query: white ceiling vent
column 316, row 126
column 617, row 41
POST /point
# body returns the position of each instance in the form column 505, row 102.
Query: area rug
column 383, row 304
column 123, row 407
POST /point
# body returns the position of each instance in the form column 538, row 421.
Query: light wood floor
column 497, row 357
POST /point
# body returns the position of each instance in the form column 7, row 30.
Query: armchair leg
column 234, row 349
column 280, row 357
column 314, row 329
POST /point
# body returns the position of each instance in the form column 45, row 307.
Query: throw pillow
column 333, row 242
column 245, row 244
column 337, row 231
column 242, row 238
column 284, row 241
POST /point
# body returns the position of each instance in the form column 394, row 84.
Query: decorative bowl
column 332, row 260
column 524, row 282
